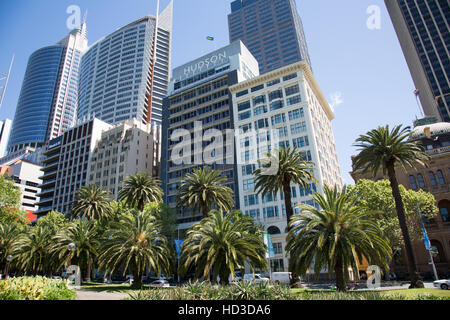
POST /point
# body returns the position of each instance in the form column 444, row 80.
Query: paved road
column 92, row 295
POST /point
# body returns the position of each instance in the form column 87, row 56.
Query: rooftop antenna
column 4, row 81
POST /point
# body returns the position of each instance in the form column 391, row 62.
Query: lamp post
column 8, row 259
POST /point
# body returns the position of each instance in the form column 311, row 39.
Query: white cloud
column 336, row 99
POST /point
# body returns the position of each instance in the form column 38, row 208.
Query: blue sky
column 364, row 68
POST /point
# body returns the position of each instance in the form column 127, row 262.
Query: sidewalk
column 92, row 295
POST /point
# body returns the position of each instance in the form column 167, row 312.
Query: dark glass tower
column 271, row 29
column 422, row 28
column 48, row 98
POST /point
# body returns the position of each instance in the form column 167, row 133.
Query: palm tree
column 83, row 234
column 9, row 234
column 292, row 168
column 141, row 189
column 335, row 236
column 222, row 244
column 135, row 244
column 33, row 251
column 204, row 188
column 93, row 203
column 384, row 149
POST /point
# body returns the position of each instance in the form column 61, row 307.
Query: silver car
column 443, row 284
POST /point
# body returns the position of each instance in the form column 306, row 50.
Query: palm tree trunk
column 204, row 210
column 88, row 272
column 416, row 281
column 288, row 202
column 340, row 277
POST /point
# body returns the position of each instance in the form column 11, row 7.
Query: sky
column 361, row 71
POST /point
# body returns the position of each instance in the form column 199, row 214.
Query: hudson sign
column 213, row 60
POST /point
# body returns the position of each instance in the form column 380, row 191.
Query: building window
column 277, row 265
column 278, row 248
column 273, row 230
column 444, row 208
column 432, row 178
column 420, row 181
column 440, row 177
column 241, row 93
column 412, row 182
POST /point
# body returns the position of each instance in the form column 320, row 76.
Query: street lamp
column 71, row 248
column 9, row 259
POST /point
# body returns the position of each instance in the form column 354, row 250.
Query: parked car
column 443, row 284
column 281, row 277
column 160, row 284
column 254, row 277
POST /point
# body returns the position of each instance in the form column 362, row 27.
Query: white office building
column 126, row 149
column 282, row 108
column 125, row 75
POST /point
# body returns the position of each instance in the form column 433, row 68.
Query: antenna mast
column 4, row 81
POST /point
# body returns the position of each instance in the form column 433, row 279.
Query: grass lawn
column 412, row 294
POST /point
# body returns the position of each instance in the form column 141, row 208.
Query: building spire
column 83, row 29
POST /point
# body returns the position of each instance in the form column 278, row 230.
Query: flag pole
column 427, row 244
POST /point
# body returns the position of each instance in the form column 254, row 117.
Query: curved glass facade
column 36, row 97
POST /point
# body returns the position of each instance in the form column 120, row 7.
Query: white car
column 443, row 284
column 160, row 284
column 254, row 277
column 281, row 277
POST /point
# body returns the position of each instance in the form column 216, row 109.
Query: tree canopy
column 377, row 198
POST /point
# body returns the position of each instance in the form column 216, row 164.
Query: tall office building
column 48, row 98
column 127, row 148
column 282, row 108
column 199, row 99
column 423, row 28
column 66, row 168
column 119, row 79
column 271, row 29
column 5, row 130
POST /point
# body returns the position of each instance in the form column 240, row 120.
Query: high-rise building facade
column 271, row 29
column 66, row 167
column 26, row 177
column 5, row 130
column 125, row 149
column 199, row 100
column 119, row 79
column 48, row 98
column 423, row 28
column 282, row 108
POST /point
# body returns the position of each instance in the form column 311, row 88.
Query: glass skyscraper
column 271, row 29
column 119, row 80
column 423, row 31
column 48, row 98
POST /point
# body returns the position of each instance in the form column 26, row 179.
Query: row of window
column 417, row 182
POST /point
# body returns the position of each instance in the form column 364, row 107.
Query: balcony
column 438, row 151
column 48, row 174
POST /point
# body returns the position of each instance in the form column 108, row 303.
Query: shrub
column 205, row 291
column 35, row 288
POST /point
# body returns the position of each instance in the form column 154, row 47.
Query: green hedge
column 262, row 291
column 35, row 288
